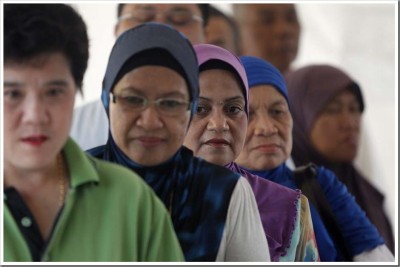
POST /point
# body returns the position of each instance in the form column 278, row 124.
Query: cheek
column 239, row 134
column 118, row 124
column 178, row 128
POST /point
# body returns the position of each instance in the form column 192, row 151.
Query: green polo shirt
column 109, row 215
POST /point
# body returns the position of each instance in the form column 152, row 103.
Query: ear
column 116, row 30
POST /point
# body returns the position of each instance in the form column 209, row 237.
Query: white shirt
column 90, row 125
column 243, row 238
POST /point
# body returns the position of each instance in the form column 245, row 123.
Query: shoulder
column 114, row 173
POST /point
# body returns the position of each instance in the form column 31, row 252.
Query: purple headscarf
column 277, row 204
column 207, row 52
column 310, row 89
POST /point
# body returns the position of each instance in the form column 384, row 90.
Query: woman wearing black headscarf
column 213, row 209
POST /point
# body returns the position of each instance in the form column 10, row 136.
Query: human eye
column 332, row 109
column 144, row 14
column 170, row 104
column 134, row 101
column 233, row 109
column 202, row 109
column 355, row 108
column 267, row 18
column 54, row 92
column 179, row 16
column 12, row 95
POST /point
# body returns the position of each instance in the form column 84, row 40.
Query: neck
column 29, row 178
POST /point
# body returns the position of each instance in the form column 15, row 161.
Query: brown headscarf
column 310, row 89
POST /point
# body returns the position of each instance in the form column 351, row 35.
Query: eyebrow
column 134, row 90
column 225, row 100
column 50, row 83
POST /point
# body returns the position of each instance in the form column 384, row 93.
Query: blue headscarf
column 261, row 72
column 360, row 235
column 196, row 192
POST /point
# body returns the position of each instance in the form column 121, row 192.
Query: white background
column 361, row 38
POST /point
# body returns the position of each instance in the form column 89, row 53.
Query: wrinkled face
column 219, row 32
column 336, row 130
column 218, row 128
column 270, row 31
column 186, row 18
column 269, row 133
column 153, row 133
column 38, row 104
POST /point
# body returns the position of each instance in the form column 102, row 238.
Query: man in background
column 269, row 31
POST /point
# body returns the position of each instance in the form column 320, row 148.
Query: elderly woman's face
column 38, row 104
column 335, row 133
column 218, row 128
column 269, row 133
column 152, row 134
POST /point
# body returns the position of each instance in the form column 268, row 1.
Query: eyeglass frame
column 148, row 102
column 130, row 15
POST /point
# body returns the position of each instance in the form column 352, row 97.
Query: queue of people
column 187, row 159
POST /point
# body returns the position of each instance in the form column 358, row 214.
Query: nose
column 350, row 120
column 149, row 118
column 217, row 122
column 265, row 126
column 284, row 28
column 35, row 111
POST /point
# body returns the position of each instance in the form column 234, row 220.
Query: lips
column 150, row 141
column 268, row 148
column 217, row 142
column 35, row 140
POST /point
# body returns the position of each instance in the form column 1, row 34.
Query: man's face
column 270, row 31
column 186, row 18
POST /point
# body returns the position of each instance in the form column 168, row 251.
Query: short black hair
column 32, row 30
column 215, row 12
column 204, row 9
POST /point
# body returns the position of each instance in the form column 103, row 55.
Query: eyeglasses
column 167, row 106
column 177, row 17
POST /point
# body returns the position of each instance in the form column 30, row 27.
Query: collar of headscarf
column 261, row 72
column 220, row 58
column 151, row 37
column 276, row 203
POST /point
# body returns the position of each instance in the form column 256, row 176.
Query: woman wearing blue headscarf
column 152, row 82
column 268, row 145
column 217, row 133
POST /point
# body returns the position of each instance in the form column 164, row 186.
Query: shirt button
column 26, row 222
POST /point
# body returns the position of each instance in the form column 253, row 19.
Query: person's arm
column 361, row 236
column 380, row 253
column 243, row 238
